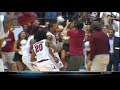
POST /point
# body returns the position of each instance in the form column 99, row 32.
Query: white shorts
column 28, row 63
column 46, row 66
column 59, row 64
column 8, row 57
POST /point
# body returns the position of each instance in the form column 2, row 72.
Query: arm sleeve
column 69, row 33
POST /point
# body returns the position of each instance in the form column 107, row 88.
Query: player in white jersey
column 51, row 36
column 26, row 55
column 41, row 49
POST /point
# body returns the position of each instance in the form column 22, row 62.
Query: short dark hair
column 106, row 26
column 35, row 29
column 112, row 30
column 96, row 26
column 79, row 25
column 40, row 35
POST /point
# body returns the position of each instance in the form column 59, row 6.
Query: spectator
column 65, row 48
column 18, row 54
column 114, row 51
column 26, row 29
column 8, row 51
column 105, row 29
column 99, row 49
column 76, row 47
column 1, row 64
column 88, row 31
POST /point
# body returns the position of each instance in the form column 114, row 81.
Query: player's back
column 41, row 50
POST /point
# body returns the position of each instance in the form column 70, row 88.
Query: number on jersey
column 38, row 47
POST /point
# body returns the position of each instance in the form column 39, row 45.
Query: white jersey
column 55, row 53
column 41, row 50
column 26, row 47
column 53, row 37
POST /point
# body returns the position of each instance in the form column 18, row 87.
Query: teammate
column 51, row 37
column 42, row 51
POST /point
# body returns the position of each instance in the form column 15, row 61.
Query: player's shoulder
column 48, row 33
column 47, row 41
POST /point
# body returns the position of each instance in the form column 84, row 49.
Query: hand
column 67, row 23
column 56, row 59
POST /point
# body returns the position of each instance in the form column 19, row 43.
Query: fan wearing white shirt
column 51, row 37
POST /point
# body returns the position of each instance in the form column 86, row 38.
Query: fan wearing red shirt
column 76, row 47
column 8, row 52
column 99, row 49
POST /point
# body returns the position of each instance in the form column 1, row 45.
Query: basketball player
column 41, row 49
column 26, row 50
column 51, row 37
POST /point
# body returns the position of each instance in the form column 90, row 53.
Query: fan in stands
column 26, row 17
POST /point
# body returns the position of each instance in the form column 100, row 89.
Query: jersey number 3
column 38, row 47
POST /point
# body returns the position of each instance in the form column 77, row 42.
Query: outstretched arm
column 64, row 32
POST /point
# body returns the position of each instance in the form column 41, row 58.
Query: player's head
column 40, row 35
column 52, row 26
